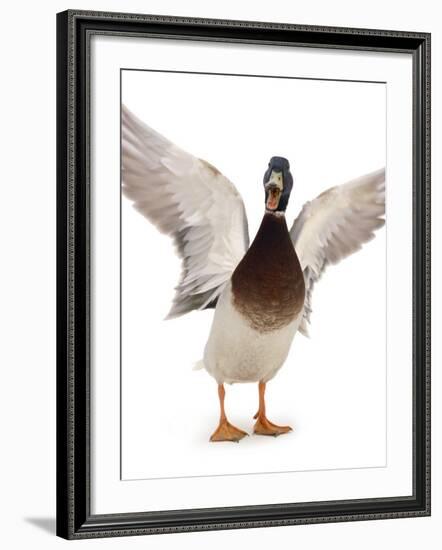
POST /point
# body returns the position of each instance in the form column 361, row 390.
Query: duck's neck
column 272, row 238
column 273, row 227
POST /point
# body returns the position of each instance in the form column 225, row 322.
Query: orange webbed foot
column 227, row 432
column 263, row 426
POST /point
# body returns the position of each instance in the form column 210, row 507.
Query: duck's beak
column 273, row 196
column 273, row 189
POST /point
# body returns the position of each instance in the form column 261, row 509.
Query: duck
column 261, row 292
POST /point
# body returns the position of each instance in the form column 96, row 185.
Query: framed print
column 243, row 274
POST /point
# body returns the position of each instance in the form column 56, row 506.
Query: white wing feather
column 336, row 224
column 190, row 200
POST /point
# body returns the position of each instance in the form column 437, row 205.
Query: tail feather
column 198, row 365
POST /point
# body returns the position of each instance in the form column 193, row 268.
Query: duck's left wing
column 190, row 200
column 336, row 224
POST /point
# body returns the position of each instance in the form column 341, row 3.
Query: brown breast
column 268, row 284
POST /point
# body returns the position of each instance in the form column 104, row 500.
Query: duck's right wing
column 190, row 200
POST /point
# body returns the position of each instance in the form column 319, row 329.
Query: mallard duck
column 261, row 293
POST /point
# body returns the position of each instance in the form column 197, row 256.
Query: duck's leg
column 225, row 430
column 263, row 426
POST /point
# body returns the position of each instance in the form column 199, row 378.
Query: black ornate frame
column 74, row 519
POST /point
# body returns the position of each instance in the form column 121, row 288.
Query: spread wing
column 335, row 224
column 190, row 200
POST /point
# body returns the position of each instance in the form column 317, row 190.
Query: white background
column 28, row 297
column 331, row 132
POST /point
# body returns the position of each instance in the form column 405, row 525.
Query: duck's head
column 278, row 183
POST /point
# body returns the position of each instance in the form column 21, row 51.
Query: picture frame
column 75, row 219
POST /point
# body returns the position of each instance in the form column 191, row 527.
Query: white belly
column 235, row 352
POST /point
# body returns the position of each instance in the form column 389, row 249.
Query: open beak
column 274, row 194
